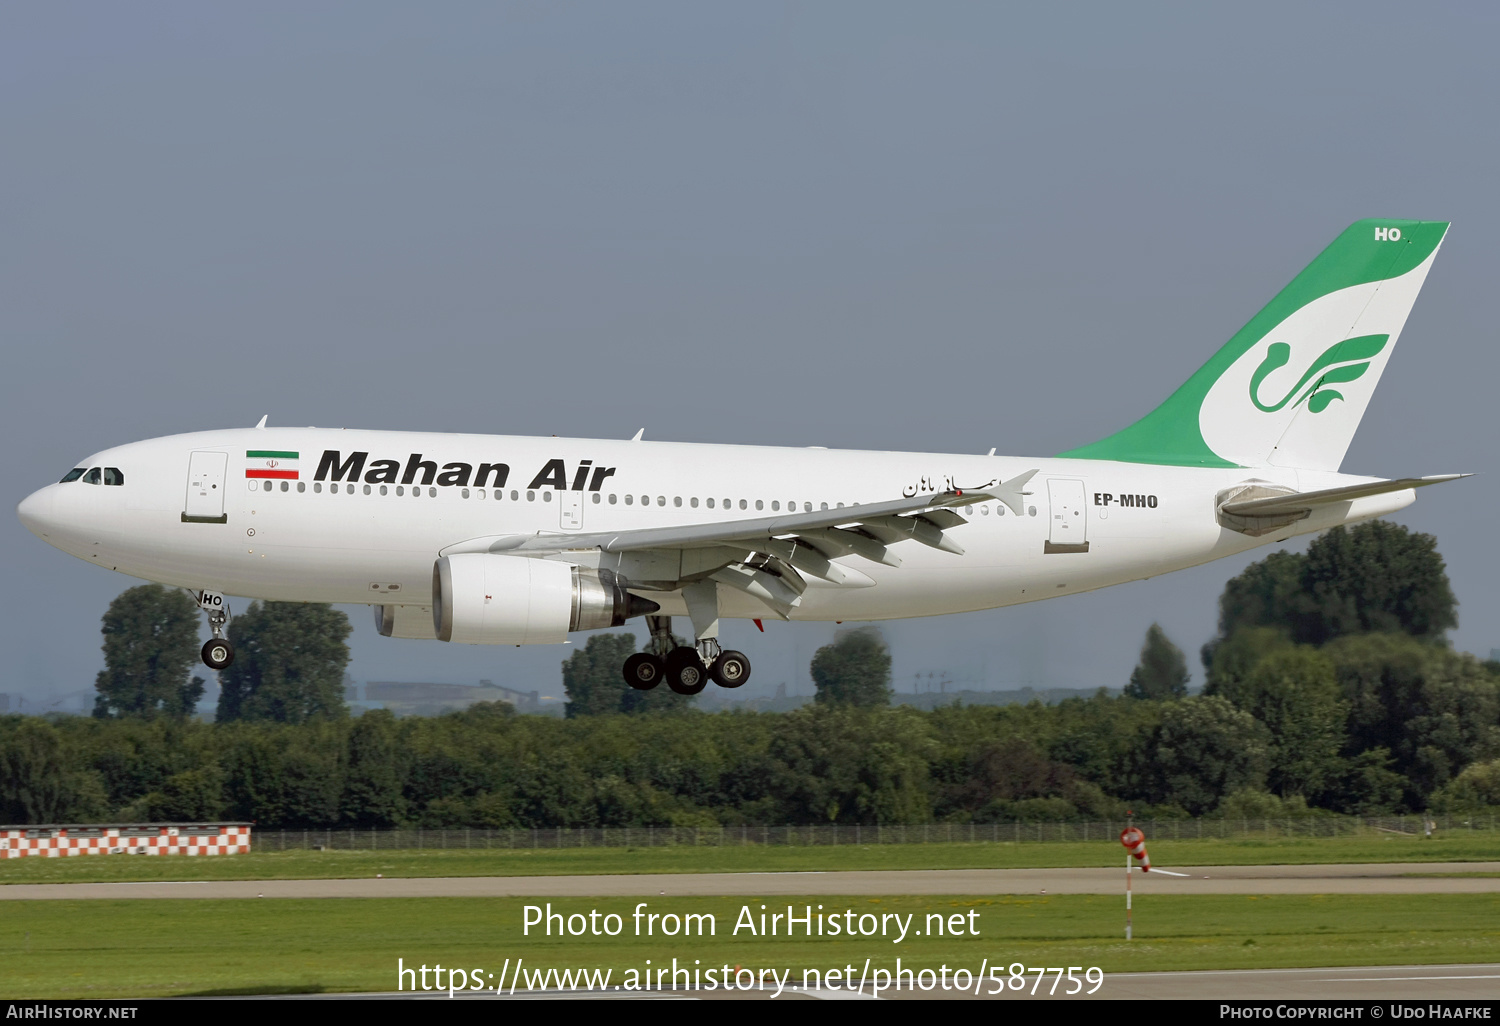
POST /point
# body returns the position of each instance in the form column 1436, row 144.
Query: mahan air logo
column 1343, row 361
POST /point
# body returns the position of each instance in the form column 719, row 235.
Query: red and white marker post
column 1135, row 846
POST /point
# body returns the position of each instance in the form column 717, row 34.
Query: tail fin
column 1290, row 387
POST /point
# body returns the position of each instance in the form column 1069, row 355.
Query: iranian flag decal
column 271, row 463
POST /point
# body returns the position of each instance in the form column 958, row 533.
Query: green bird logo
column 1340, row 362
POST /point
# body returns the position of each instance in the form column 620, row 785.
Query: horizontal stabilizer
column 1306, row 502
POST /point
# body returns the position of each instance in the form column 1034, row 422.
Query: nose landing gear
column 217, row 653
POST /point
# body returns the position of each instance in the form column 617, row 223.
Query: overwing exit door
column 205, row 488
column 1068, row 527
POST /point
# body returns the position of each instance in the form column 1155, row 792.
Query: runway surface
column 1380, row 878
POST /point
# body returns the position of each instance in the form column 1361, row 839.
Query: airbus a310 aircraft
column 501, row 540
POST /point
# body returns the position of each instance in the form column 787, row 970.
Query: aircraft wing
column 1305, row 502
column 767, row 556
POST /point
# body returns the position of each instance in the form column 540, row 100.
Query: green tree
column 594, row 684
column 289, row 663
column 854, row 670
column 844, row 764
column 1295, row 692
column 1266, row 594
column 1162, row 672
column 192, row 795
column 1431, row 709
column 372, row 787
column 1204, row 749
column 1476, row 789
column 1376, row 577
column 1370, row 787
column 591, row 675
column 33, row 776
column 1231, row 660
column 150, row 647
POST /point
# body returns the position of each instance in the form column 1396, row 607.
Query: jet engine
column 484, row 599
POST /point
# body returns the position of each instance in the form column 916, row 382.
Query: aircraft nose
column 36, row 511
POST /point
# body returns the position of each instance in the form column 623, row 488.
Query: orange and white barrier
column 140, row 839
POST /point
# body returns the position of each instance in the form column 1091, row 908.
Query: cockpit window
column 113, row 476
column 92, row 477
column 72, row 475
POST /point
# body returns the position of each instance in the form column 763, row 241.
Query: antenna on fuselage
column 637, row 436
column 263, row 421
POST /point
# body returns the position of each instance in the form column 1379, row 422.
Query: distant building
column 432, row 699
column 1020, row 696
column 73, row 703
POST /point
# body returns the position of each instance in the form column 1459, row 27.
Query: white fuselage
column 374, row 539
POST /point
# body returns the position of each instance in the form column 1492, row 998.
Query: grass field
column 307, row 864
column 156, row 948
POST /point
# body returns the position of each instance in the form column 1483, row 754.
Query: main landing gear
column 686, row 669
column 217, row 652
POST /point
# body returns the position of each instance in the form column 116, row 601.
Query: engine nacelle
column 484, row 599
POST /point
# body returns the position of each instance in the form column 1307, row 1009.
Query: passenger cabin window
column 73, row 475
column 93, row 476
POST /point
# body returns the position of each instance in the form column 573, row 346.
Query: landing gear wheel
column 217, row 654
column 730, row 670
column 686, row 674
column 643, row 671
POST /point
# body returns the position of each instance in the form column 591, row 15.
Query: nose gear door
column 205, row 488
column 1068, row 529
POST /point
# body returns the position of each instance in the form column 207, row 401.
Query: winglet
column 1012, row 492
column 262, row 423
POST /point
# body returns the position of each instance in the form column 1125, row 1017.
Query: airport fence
column 861, row 834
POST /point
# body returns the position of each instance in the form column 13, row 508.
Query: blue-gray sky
column 935, row 227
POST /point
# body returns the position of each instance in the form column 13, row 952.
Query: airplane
column 506, row 540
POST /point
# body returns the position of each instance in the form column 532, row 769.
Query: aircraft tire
column 217, row 653
column 686, row 673
column 730, row 670
column 643, row 671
